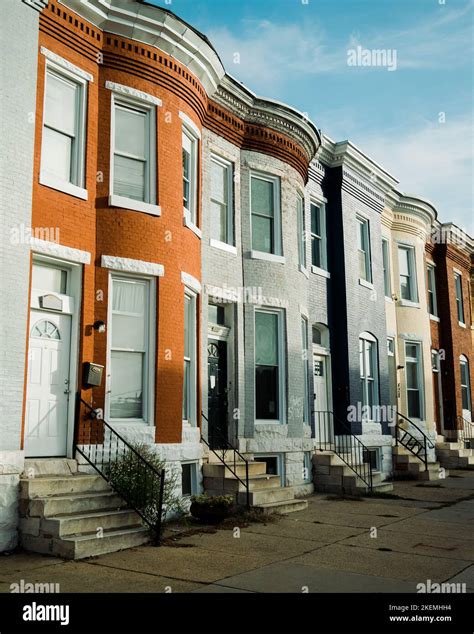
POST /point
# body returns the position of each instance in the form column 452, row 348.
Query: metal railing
column 219, row 445
column 350, row 449
column 466, row 432
column 135, row 479
column 418, row 446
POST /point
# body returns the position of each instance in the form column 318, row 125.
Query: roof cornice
column 156, row 27
column 39, row 5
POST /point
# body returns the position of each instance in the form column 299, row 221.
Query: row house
column 200, row 270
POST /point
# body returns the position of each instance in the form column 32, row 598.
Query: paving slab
column 25, row 561
column 321, row 534
column 364, row 506
column 363, row 519
column 293, row 577
column 462, row 513
column 422, row 525
column 465, row 576
column 395, row 565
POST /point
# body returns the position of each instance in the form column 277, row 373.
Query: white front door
column 48, row 384
column 320, row 383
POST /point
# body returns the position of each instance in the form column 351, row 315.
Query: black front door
column 217, row 393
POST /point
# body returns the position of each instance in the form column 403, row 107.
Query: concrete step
column 36, row 467
column 284, row 507
column 256, row 483
column 45, row 486
column 229, row 455
column 267, row 496
column 78, row 523
column 212, row 470
column 331, row 458
column 74, row 503
column 89, row 545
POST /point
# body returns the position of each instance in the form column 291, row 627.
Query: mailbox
column 93, row 373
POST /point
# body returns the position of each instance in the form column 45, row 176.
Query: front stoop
column 453, row 454
column 406, row 464
column 332, row 475
column 73, row 515
column 265, row 491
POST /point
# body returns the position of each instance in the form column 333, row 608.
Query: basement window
column 372, row 456
column 188, row 478
column 274, row 465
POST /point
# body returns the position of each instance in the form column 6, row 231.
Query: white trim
column 269, row 257
column 277, row 213
column 127, row 265
column 229, row 167
column 133, row 92
column 134, row 205
column 462, row 324
column 365, row 283
column 457, row 271
column 57, row 250
column 189, row 123
column 217, row 244
column 322, row 236
column 191, row 282
column 49, row 180
column 433, row 318
column 187, row 222
column 304, row 270
column 408, row 304
column 317, row 271
column 60, row 61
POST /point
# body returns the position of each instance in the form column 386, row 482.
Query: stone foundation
column 11, row 465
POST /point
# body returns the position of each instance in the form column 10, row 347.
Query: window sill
column 303, row 270
column 134, row 205
column 62, row 186
column 389, row 300
column 318, row 271
column 190, row 225
column 408, row 304
column 366, row 284
column 434, row 318
column 223, row 246
column 269, row 422
column 269, row 257
column 462, row 324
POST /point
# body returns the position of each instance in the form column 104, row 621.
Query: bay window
column 265, row 211
column 414, row 379
column 269, row 396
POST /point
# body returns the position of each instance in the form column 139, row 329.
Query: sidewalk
column 423, row 531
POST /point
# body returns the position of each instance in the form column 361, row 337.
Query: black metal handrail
column 350, row 449
column 417, row 447
column 113, row 457
column 466, row 432
column 228, row 447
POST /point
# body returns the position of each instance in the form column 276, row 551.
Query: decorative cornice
column 418, row 208
column 156, row 27
column 39, row 5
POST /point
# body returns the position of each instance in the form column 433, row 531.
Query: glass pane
column 129, row 177
column 49, row 278
column 362, row 265
column 60, row 106
column 362, row 236
column 262, row 234
column 464, row 374
column 411, row 350
column 186, row 481
column 414, row 410
column 403, row 264
column 266, row 339
column 370, row 354
column 56, row 153
column 412, row 375
column 316, row 251
column 218, row 182
column 216, row 314
column 131, row 132
column 128, row 315
column 218, row 221
column 187, row 322
column 465, row 397
column 126, row 398
column 315, row 220
column 266, row 393
column 187, row 370
column 262, row 197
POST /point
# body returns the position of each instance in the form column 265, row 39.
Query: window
column 465, row 384
column 216, row 314
column 365, row 265
column 390, row 346
column 275, row 465
column 368, row 370
column 45, row 329
column 431, row 284
column 301, row 228
column 268, row 366
column 386, row 268
column 406, row 266
column 49, row 278
column 305, row 352
column 130, row 349
column 435, row 360
column 222, row 220
column 188, row 478
column 190, row 159
column 63, row 140
column 265, row 209
column 459, row 302
column 372, row 457
column 414, row 379
column 318, row 236
column 190, row 376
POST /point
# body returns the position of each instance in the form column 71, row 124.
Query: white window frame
column 281, row 366
column 229, row 167
column 194, row 478
column 378, row 458
column 149, row 205
column 322, row 239
column 387, row 282
column 190, row 214
column 150, row 352
column 412, row 280
column 431, row 289
column 369, row 346
column 464, row 362
column 301, row 229
column 391, row 344
column 75, row 187
column 459, row 299
column 364, row 249
column 277, row 230
column 420, row 377
column 280, row 460
column 192, row 384
column 305, row 353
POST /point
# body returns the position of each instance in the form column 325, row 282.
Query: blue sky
column 296, row 51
